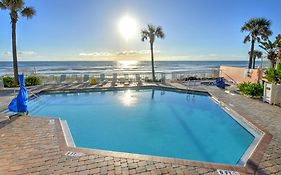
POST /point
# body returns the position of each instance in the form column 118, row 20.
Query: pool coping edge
column 250, row 165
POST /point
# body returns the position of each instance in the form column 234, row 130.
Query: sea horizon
column 128, row 66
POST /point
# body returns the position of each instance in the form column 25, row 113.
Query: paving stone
column 140, row 169
column 150, row 167
column 118, row 170
column 95, row 170
column 132, row 165
column 32, row 146
column 124, row 165
column 103, row 170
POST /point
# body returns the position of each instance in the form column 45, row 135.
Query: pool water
column 151, row 122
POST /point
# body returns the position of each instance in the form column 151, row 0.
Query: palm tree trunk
column 152, row 62
column 152, row 95
column 272, row 62
column 254, row 63
column 278, row 61
column 251, row 54
column 14, row 48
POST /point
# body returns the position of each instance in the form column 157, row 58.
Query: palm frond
column 278, row 40
column 256, row 54
column 6, row 3
column 259, row 39
column 264, row 48
column 2, row 6
column 245, row 27
column 151, row 33
column 144, row 35
column 17, row 4
column 151, row 28
column 259, row 28
column 270, row 48
column 247, row 39
column 159, row 32
column 278, row 37
column 28, row 12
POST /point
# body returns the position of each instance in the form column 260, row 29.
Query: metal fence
column 121, row 77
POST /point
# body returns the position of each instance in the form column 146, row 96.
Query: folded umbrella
column 20, row 103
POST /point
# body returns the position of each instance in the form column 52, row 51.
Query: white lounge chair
column 79, row 79
column 114, row 80
column 127, row 80
column 163, row 78
column 138, row 79
column 62, row 79
column 51, row 80
column 122, row 80
column 146, row 79
column 86, row 78
column 74, row 78
column 1, row 83
column 102, row 80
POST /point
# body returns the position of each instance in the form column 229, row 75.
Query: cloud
column 145, row 55
column 139, row 52
column 26, row 52
column 129, row 54
column 203, row 57
column 20, row 53
column 140, row 55
column 95, row 54
column 22, row 56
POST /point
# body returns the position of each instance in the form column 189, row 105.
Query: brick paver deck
column 264, row 115
column 37, row 146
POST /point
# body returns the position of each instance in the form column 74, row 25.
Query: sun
column 127, row 27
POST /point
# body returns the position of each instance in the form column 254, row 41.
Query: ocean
column 93, row 67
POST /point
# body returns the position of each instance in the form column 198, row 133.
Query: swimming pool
column 150, row 122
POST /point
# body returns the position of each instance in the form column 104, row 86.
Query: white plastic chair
column 114, row 80
column 138, row 79
column 1, row 83
column 163, row 78
column 62, row 79
column 86, row 78
column 102, row 80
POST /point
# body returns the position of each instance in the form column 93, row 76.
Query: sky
column 90, row 30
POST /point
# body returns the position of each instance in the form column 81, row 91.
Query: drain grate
column 227, row 172
column 51, row 122
column 73, row 154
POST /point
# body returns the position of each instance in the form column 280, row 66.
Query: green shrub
column 150, row 80
column 32, row 80
column 252, row 89
column 274, row 75
column 9, row 82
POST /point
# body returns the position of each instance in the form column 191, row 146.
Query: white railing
column 69, row 78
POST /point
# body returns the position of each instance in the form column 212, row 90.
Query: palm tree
column 256, row 54
column 150, row 34
column 16, row 8
column 258, row 29
column 271, row 50
column 278, row 40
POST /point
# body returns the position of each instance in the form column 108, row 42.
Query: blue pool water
column 151, row 122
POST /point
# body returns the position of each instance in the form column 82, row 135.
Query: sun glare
column 128, row 99
column 127, row 64
column 127, row 27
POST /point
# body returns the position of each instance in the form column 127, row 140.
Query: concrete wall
column 239, row 75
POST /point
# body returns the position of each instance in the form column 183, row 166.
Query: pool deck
column 37, row 146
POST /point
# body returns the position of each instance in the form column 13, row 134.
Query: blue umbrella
column 20, row 103
column 220, row 83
